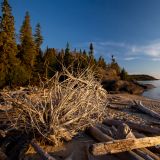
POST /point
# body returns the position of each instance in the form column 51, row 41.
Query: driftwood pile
column 53, row 112
column 117, row 138
column 57, row 111
column 113, row 139
column 123, row 139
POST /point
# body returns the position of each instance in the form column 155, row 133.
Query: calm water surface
column 152, row 93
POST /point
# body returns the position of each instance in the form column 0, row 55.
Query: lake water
column 152, row 93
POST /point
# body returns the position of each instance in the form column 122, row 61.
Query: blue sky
column 128, row 29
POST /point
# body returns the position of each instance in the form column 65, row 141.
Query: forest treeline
column 23, row 62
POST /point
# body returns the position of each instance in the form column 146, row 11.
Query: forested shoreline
column 24, row 62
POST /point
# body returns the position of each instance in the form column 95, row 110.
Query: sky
column 127, row 29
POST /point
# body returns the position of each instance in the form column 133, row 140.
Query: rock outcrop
column 119, row 86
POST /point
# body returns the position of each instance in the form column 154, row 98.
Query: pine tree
column 8, row 49
column 84, row 60
column 91, row 50
column 101, row 62
column 68, row 60
column 114, row 65
column 123, row 74
column 84, row 52
column 67, row 50
column 38, row 39
column 28, row 49
column 50, row 62
column 91, row 55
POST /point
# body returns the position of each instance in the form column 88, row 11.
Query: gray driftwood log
column 44, row 155
column 124, row 145
column 123, row 131
column 138, row 127
column 101, row 137
column 139, row 106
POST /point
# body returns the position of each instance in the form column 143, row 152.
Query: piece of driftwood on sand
column 124, row 145
column 138, row 127
column 101, row 137
column 44, row 155
column 123, row 131
column 139, row 106
column 155, row 149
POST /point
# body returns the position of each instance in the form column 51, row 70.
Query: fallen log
column 132, row 125
column 123, row 145
column 101, row 137
column 138, row 105
column 105, row 129
column 123, row 131
column 89, row 156
column 120, row 103
column 44, row 155
column 98, row 135
column 153, row 149
column 154, row 122
column 143, row 154
column 151, row 154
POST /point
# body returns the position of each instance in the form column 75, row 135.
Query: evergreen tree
column 68, row 57
column 60, row 60
column 67, row 50
column 84, row 60
column 80, row 51
column 28, row 49
column 113, row 59
column 114, row 65
column 8, row 49
column 38, row 39
column 91, row 55
column 50, row 62
column 91, row 49
column 101, row 62
column 123, row 74
column 84, row 52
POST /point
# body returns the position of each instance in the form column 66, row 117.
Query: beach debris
column 58, row 112
column 123, row 145
column 44, row 155
column 139, row 106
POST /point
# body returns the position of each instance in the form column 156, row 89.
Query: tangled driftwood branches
column 56, row 110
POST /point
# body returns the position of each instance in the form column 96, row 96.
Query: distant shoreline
column 142, row 77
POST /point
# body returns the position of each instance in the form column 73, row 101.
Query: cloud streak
column 129, row 51
column 131, row 58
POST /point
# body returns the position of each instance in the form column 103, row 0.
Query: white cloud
column 129, row 51
column 112, row 44
column 131, row 58
column 126, row 51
